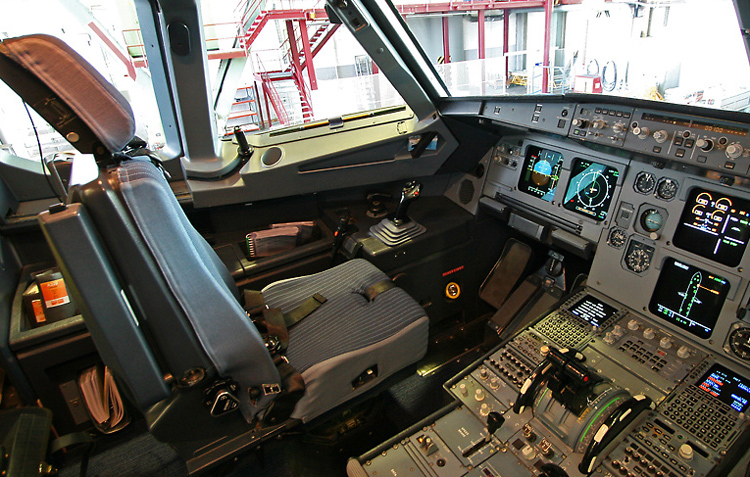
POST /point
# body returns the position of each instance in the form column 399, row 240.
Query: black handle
column 409, row 194
column 244, row 147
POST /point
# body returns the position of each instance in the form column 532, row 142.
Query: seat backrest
column 182, row 300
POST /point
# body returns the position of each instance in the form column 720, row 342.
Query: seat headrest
column 87, row 95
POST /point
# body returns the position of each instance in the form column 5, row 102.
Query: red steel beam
column 292, row 43
column 413, row 9
column 480, row 31
column 126, row 59
column 322, row 42
column 227, row 54
column 548, row 4
column 308, row 55
column 446, row 42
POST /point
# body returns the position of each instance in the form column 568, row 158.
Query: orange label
column 54, row 293
column 36, row 305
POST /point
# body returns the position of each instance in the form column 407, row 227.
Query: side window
column 106, row 34
column 278, row 64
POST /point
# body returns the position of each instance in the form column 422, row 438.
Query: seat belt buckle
column 273, row 343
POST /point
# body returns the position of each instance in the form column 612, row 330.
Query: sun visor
column 68, row 93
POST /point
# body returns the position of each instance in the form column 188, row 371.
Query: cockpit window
column 106, row 34
column 281, row 63
column 682, row 52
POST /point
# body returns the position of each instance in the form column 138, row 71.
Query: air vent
column 466, row 191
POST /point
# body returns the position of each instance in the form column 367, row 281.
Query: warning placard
column 36, row 305
column 54, row 293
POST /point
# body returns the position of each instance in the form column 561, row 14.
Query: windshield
column 683, row 52
column 279, row 63
column 105, row 34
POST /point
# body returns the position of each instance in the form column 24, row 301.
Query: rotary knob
column 580, row 123
column 618, row 128
column 529, row 453
column 705, row 145
column 479, row 395
column 686, row 452
column 734, row 150
column 463, row 389
column 642, row 133
column 483, row 373
column 494, row 383
column 599, row 124
column 618, row 331
column 683, row 352
column 660, row 136
column 484, row 409
column 665, row 343
column 649, row 333
column 609, row 338
column 633, row 325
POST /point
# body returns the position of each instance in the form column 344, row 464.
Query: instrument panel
column 669, row 242
column 646, row 371
column 694, row 138
column 593, row 388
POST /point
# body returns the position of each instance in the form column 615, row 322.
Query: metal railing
column 270, row 91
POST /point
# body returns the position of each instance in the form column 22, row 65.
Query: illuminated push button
column 665, row 343
column 686, row 452
column 683, row 352
column 633, row 325
column 479, row 395
column 649, row 333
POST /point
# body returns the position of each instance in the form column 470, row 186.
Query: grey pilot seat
column 164, row 312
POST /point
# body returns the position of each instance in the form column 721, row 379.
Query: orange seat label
column 54, row 293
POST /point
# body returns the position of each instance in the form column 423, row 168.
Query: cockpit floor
column 136, row 452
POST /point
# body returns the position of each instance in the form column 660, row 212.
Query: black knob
column 409, row 194
column 553, row 470
column 495, row 420
column 222, row 397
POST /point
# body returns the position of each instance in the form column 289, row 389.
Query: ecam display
column 715, row 226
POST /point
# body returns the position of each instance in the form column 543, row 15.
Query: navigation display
column 590, row 190
column 541, row 172
column 715, row 226
column 726, row 386
column 689, row 297
column 592, row 310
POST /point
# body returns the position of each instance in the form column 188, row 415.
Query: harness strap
column 304, row 310
column 380, row 287
column 254, row 303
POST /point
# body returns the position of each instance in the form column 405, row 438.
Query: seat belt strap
column 304, row 310
column 379, row 288
column 254, row 303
